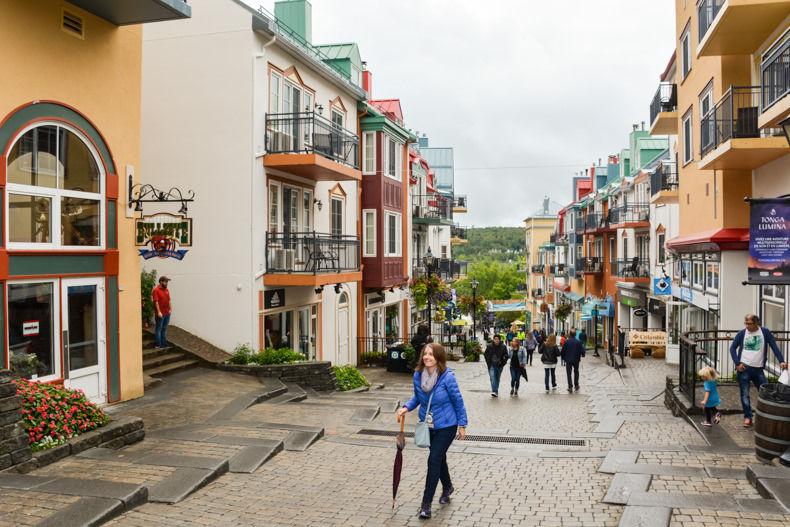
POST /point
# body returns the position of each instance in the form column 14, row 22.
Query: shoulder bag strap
column 428, row 408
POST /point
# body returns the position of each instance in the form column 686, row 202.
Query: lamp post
column 595, row 330
column 474, row 285
column 429, row 260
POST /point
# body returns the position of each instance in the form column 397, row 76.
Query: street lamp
column 429, row 259
column 474, row 285
column 595, row 330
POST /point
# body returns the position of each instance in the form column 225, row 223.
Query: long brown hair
column 438, row 353
column 551, row 340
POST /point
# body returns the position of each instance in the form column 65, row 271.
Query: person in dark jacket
column 518, row 357
column 549, row 353
column 749, row 354
column 496, row 358
column 422, row 337
column 572, row 353
column 435, row 381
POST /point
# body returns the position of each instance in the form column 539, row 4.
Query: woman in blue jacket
column 447, row 417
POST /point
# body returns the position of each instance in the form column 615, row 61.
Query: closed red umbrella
column 400, row 442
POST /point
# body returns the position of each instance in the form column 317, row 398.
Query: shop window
column 308, row 323
column 699, row 274
column 55, row 190
column 31, row 329
column 278, row 330
column 712, row 277
column 685, row 272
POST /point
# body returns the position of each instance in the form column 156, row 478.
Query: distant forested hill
column 491, row 243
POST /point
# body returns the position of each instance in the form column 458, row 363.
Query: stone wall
column 14, row 442
column 319, row 376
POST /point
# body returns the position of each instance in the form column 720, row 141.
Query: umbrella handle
column 402, row 421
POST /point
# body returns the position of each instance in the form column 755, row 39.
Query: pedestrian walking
column 572, row 353
column 162, row 309
column 434, row 380
column 748, row 352
column 510, row 335
column 711, row 399
column 582, row 336
column 496, row 358
column 529, row 345
column 422, row 337
column 517, row 356
column 549, row 353
column 562, row 338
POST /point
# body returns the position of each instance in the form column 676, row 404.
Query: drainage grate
column 488, row 439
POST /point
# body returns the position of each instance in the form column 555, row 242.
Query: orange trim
column 405, row 319
column 3, row 266
column 112, row 186
column 3, row 169
column 111, row 263
column 312, row 280
column 311, row 185
column 260, row 331
column 337, row 102
column 312, row 166
column 338, row 190
column 320, row 333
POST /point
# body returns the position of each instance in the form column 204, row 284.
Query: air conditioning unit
column 284, row 259
column 643, row 214
column 280, row 142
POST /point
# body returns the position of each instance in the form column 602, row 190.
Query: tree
column 496, row 281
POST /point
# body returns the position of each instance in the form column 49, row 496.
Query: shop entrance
column 84, row 337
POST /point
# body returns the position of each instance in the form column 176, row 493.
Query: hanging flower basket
column 434, row 289
column 466, row 306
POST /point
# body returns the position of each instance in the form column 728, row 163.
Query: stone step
column 645, row 516
column 150, row 353
column 288, row 397
column 161, row 360
column 776, row 489
column 300, row 441
column 180, row 484
column 175, row 367
column 85, row 511
column 250, row 458
column 149, row 383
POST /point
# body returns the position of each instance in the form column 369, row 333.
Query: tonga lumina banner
column 769, row 241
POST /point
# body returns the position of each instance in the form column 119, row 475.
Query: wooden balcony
column 737, row 27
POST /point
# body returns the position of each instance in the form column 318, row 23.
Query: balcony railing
column 634, row 213
column 664, row 178
column 459, row 202
column 307, row 132
column 734, row 117
column 444, row 268
column 590, row 265
column 311, row 252
column 521, row 288
column 706, row 14
column 558, row 270
column 631, row 268
column 580, row 266
column 538, row 269
column 597, row 220
column 580, row 224
column 431, row 206
column 457, row 231
column 665, row 100
column 538, row 293
column 775, row 72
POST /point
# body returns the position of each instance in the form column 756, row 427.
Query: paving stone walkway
column 225, row 449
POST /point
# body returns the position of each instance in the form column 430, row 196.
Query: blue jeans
column 515, row 377
column 553, row 377
column 749, row 375
column 572, row 367
column 161, row 330
column 495, row 372
column 437, row 461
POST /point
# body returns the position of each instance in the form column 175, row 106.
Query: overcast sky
column 526, row 92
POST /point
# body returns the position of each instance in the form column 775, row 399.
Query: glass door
column 84, row 337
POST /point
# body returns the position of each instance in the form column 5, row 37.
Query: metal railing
column 308, row 132
column 734, row 116
column 459, row 202
column 558, row 270
column 712, row 348
column 634, row 213
column 538, row 269
column 631, row 268
column 775, row 71
column 456, row 231
column 589, row 265
column 373, row 350
column 521, row 288
column 444, row 268
column 706, row 14
column 597, row 220
column 580, row 224
column 311, row 252
column 432, row 206
column 538, row 293
column 664, row 178
column 665, row 100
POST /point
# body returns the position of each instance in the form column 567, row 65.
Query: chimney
column 298, row 16
column 599, row 161
column 635, row 126
column 643, row 125
column 546, row 205
column 367, row 82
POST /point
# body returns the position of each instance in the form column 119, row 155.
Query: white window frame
column 706, row 100
column 369, row 153
column 715, row 266
column 698, row 274
column 335, row 110
column 397, row 152
column 342, row 202
column 275, row 99
column 688, row 139
column 368, row 232
column 398, row 218
column 685, row 52
column 274, row 187
column 55, row 195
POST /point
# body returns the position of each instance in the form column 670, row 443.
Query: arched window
column 343, row 300
column 55, row 185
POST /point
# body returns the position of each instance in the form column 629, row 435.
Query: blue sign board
column 661, row 286
column 686, row 294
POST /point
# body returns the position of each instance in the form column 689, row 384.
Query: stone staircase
column 161, row 363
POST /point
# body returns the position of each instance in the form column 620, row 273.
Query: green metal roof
column 348, row 50
column 652, row 144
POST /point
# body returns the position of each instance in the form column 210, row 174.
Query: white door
column 342, row 336
column 84, row 337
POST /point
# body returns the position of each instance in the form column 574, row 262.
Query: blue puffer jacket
column 447, row 405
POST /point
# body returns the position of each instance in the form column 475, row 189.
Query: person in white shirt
column 748, row 352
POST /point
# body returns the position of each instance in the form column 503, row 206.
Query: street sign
column 641, row 312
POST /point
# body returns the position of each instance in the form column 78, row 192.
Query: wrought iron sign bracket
column 148, row 194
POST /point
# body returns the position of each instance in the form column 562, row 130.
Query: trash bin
column 396, row 360
column 772, row 426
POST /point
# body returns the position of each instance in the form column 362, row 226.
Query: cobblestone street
column 345, row 478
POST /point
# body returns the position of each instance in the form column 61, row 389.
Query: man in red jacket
column 162, row 308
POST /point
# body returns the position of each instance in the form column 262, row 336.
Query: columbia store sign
column 163, row 234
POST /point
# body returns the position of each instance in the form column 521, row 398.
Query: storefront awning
column 574, row 297
column 713, row 240
column 559, row 286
